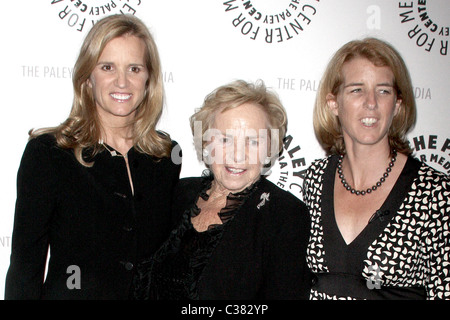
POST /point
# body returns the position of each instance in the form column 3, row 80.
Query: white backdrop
column 207, row 43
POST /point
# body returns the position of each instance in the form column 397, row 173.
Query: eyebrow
column 383, row 84
column 131, row 64
column 232, row 136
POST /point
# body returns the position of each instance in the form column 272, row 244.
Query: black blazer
column 90, row 220
column 262, row 254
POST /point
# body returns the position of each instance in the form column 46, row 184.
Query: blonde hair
column 82, row 128
column 233, row 95
column 327, row 126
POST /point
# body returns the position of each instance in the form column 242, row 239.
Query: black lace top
column 174, row 270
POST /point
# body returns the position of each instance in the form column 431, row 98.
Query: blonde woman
column 97, row 189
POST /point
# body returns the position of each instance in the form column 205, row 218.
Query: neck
column 217, row 191
column 121, row 139
column 361, row 156
column 363, row 167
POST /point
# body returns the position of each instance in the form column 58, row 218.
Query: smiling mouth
column 121, row 97
column 369, row 121
column 235, row 170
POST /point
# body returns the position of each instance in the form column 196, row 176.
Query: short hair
column 327, row 126
column 82, row 129
column 233, row 95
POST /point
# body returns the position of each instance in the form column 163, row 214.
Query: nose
column 239, row 151
column 121, row 79
column 371, row 100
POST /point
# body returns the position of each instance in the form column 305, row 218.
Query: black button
column 314, row 279
column 129, row 266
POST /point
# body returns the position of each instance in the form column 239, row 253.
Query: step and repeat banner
column 206, row 43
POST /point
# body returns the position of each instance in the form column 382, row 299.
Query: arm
column 438, row 243
column 285, row 270
column 34, row 205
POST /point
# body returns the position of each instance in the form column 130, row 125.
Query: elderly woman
column 239, row 236
column 97, row 189
column 380, row 218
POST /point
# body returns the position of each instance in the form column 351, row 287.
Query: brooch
column 264, row 197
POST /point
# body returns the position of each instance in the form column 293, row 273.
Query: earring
column 205, row 153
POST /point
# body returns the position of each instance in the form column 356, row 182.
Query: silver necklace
column 375, row 186
column 112, row 152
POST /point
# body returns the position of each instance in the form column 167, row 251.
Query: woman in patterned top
column 380, row 218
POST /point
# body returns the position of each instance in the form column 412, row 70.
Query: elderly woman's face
column 238, row 147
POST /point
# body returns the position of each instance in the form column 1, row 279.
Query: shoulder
column 190, row 183
column 429, row 191
column 45, row 140
column 171, row 160
column 433, row 174
column 174, row 144
column 165, row 136
column 282, row 204
column 42, row 146
column 188, row 188
column 432, row 179
column 319, row 164
column 186, row 192
column 277, row 193
column 40, row 158
column 282, row 215
column 315, row 170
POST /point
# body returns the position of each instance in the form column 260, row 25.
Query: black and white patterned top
column 404, row 251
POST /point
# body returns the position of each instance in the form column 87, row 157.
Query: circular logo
column 271, row 21
column 427, row 23
column 288, row 172
column 82, row 14
column 433, row 150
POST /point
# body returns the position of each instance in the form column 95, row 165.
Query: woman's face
column 119, row 79
column 366, row 102
column 239, row 145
